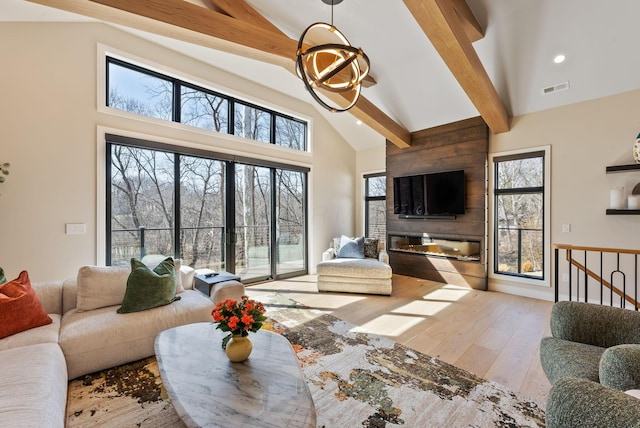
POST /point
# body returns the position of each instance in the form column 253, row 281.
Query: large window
column 519, row 215
column 141, row 91
column 375, row 206
column 211, row 210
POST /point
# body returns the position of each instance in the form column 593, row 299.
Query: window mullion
column 177, row 218
column 177, row 100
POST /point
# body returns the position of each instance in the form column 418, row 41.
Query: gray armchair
column 591, row 358
column 583, row 403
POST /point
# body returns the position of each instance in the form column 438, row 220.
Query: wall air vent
column 555, row 88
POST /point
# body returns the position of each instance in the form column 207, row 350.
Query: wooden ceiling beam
column 238, row 31
column 239, row 9
column 440, row 21
column 468, row 20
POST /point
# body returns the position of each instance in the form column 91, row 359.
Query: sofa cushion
column 20, row 308
column 355, row 268
column 44, row 334
column 352, row 248
column 3, row 278
column 50, row 295
column 33, row 386
column 147, row 289
column 355, row 285
column 102, row 338
column 101, row 286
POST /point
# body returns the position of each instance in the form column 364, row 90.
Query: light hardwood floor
column 493, row 335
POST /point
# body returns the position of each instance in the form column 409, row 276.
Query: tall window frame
column 529, row 188
column 275, row 271
column 375, row 202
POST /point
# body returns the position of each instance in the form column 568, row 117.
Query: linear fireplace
column 458, row 249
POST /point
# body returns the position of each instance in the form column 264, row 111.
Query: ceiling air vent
column 555, row 88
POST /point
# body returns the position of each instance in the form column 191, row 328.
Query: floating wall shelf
column 611, row 211
column 623, row 168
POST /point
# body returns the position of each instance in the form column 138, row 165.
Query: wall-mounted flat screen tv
column 434, row 194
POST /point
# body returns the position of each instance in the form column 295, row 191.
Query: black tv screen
column 440, row 193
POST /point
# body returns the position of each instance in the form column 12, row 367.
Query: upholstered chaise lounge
column 592, row 358
column 361, row 271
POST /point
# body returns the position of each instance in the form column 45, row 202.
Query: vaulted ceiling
column 432, row 61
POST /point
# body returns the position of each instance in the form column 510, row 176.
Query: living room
column 55, row 121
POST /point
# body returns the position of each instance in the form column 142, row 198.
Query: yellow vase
column 239, row 348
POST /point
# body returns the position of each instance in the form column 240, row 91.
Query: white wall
column 585, row 138
column 50, row 130
column 367, row 162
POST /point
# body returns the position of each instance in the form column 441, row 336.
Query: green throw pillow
column 148, row 288
column 3, row 278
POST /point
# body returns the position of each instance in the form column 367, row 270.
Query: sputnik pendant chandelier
column 333, row 66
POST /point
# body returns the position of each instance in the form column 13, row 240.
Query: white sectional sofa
column 370, row 274
column 35, row 365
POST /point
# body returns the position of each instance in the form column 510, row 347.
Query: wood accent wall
column 458, row 145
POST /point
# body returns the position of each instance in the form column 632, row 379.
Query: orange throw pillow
column 20, row 308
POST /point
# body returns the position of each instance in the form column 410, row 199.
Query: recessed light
column 358, row 122
column 559, row 59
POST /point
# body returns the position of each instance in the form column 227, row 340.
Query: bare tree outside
column 376, row 207
column 253, row 220
column 139, row 93
column 141, row 203
column 202, row 203
column 252, row 123
column 143, row 183
column 290, row 222
column 204, row 110
column 290, row 133
column 520, row 216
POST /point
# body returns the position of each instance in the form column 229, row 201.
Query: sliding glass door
column 290, row 222
column 202, row 212
column 220, row 214
column 253, row 222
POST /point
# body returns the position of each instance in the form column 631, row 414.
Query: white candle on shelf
column 616, row 198
column 633, row 202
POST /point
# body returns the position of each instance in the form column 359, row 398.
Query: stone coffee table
column 207, row 390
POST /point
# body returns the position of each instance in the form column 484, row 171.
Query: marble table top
column 207, row 390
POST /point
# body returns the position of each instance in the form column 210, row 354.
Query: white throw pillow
column 101, row 286
column 633, row 392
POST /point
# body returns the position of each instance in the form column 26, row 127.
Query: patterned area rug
column 355, row 378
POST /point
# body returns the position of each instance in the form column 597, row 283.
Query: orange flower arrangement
column 238, row 318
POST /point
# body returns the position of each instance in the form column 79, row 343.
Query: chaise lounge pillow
column 371, row 248
column 147, row 289
column 20, row 308
column 351, row 248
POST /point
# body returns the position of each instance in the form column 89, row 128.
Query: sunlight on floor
column 389, row 325
column 447, row 293
column 423, row 308
column 339, row 301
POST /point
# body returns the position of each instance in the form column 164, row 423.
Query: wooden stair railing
column 569, row 249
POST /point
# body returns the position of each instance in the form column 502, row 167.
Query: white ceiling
column 415, row 88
